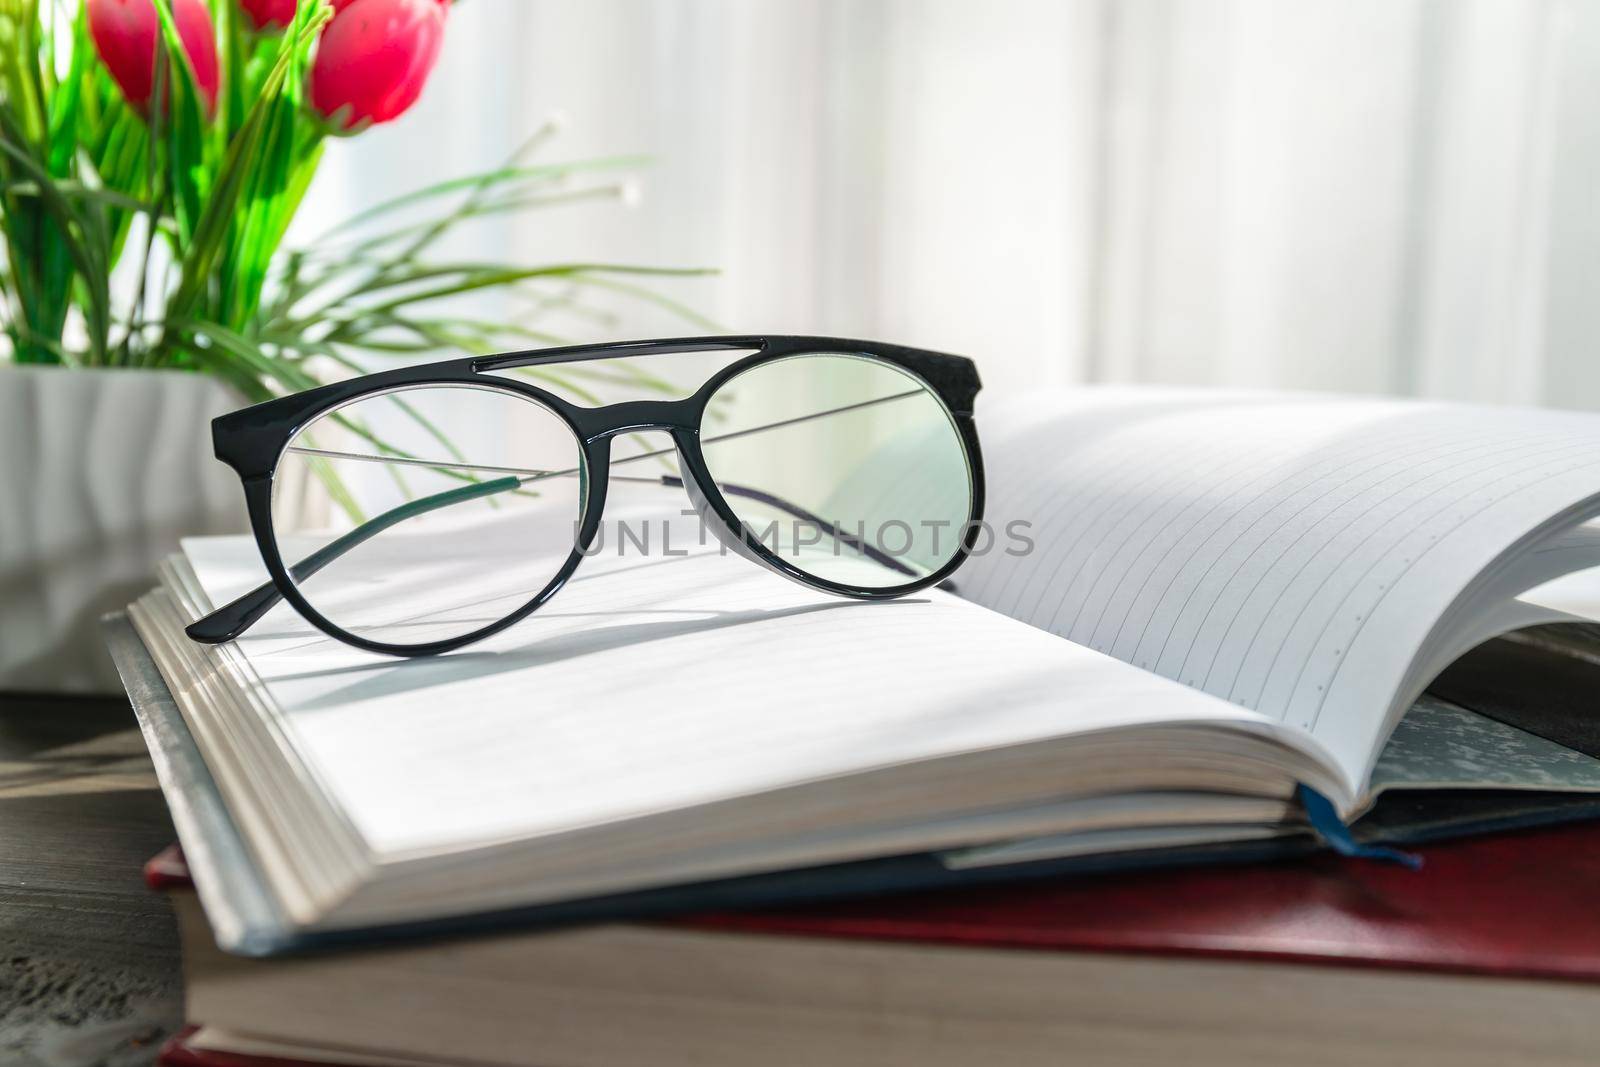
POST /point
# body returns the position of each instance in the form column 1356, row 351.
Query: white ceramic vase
column 101, row 472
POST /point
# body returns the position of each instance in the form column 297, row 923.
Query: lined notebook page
column 1289, row 554
column 650, row 684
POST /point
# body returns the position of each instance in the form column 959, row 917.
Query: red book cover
column 166, row 870
column 179, row 1052
column 1517, row 904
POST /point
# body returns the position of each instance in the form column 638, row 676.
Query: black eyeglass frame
column 253, row 440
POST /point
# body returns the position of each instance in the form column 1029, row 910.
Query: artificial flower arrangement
column 173, row 140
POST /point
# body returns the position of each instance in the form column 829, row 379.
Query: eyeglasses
column 848, row 466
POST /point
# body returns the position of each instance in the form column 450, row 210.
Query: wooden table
column 89, row 971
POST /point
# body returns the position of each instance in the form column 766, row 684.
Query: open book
column 1196, row 605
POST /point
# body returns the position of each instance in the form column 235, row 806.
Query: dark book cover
column 1516, row 905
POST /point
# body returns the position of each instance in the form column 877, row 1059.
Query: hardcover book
column 1487, row 955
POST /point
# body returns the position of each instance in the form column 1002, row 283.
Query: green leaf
column 72, row 190
column 649, row 296
column 473, row 278
column 66, row 110
column 60, row 228
column 260, row 368
column 203, row 247
column 543, row 172
column 178, row 123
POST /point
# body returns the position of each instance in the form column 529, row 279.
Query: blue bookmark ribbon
column 1332, row 829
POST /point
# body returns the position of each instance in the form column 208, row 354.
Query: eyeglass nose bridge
column 633, row 416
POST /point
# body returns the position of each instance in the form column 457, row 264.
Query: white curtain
column 1370, row 195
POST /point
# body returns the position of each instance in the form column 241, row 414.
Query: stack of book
column 611, row 834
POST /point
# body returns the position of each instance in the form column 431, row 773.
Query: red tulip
column 277, row 14
column 340, row 5
column 271, row 15
column 374, row 58
column 125, row 34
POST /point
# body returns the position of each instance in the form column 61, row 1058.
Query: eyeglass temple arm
column 795, row 511
column 235, row 617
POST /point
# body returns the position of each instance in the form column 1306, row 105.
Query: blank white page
column 1289, row 553
column 653, row 684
